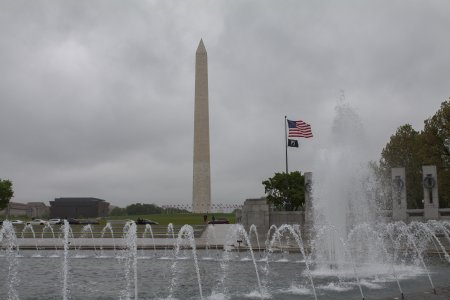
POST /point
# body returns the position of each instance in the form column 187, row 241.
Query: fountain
column 350, row 255
column 395, row 263
column 107, row 227
column 170, row 235
column 8, row 238
column 49, row 227
column 210, row 236
column 29, row 227
column 348, row 240
column 129, row 260
column 65, row 268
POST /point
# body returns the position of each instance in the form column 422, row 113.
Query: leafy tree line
column 285, row 191
column 411, row 149
column 143, row 209
column 6, row 192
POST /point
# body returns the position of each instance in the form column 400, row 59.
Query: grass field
column 178, row 219
column 162, row 219
column 160, row 230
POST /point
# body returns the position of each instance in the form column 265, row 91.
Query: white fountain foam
column 339, row 200
column 335, row 287
column 297, row 290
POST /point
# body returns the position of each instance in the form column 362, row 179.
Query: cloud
column 97, row 96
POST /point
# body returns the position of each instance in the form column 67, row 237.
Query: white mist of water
column 108, row 227
column 8, row 238
column 65, row 267
column 130, row 261
column 340, row 201
column 186, row 232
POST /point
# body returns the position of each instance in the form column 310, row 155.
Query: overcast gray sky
column 97, row 97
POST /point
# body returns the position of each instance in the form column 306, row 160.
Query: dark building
column 78, row 207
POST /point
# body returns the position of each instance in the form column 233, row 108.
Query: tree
column 403, row 150
column 143, row 209
column 285, row 192
column 434, row 152
column 6, row 192
column 117, row 211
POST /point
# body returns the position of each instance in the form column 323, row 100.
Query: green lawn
column 163, row 219
column 160, row 230
column 178, row 219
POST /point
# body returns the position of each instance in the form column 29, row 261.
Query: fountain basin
column 94, row 277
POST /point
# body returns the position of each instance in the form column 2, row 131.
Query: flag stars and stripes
column 299, row 129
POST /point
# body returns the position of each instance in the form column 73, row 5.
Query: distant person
column 205, row 218
column 213, row 219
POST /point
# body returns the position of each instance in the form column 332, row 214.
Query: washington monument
column 201, row 192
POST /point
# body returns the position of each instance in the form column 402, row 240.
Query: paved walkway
column 443, row 293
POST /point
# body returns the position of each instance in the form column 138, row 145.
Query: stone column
column 430, row 193
column 201, row 191
column 257, row 212
column 399, row 204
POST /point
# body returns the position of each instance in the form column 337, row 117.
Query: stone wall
column 257, row 212
column 279, row 218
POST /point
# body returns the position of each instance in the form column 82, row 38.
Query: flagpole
column 285, row 143
column 287, row 169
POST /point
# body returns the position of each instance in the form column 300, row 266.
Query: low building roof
column 37, row 204
column 17, row 205
column 74, row 199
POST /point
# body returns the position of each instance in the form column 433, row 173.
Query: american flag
column 299, row 129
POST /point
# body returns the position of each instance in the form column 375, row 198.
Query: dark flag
column 292, row 143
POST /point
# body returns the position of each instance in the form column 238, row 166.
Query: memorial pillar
column 399, row 203
column 430, row 193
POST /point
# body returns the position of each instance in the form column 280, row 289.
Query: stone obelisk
column 201, row 193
